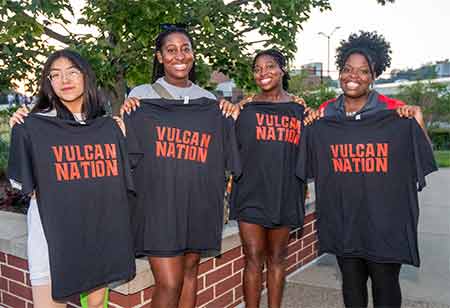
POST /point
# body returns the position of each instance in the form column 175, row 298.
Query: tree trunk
column 117, row 96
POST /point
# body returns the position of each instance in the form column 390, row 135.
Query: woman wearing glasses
column 67, row 91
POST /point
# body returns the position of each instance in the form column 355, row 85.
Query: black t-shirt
column 268, row 138
column 81, row 176
column 181, row 152
column 367, row 173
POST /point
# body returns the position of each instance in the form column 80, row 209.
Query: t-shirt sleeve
column 304, row 169
column 423, row 155
column 133, row 146
column 232, row 156
column 20, row 163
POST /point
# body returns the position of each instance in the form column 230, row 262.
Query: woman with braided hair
column 361, row 59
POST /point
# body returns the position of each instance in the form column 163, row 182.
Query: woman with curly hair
column 361, row 59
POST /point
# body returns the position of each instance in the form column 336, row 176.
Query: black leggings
column 385, row 283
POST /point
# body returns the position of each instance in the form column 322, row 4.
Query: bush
column 440, row 138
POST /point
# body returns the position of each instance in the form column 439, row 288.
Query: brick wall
column 219, row 279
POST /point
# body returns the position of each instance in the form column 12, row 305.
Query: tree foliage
column 433, row 98
column 313, row 93
column 120, row 45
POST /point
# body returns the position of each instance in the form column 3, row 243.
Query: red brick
column 13, row 302
column 2, row 257
column 27, row 279
column 238, row 292
column 12, row 273
column 309, row 259
column 309, row 218
column 222, row 301
column 292, row 236
column 148, row 293
column 305, row 252
column 291, row 260
column 238, row 264
column 20, row 290
column 228, row 256
column 235, row 304
column 17, row 262
column 147, row 305
column 306, row 230
column 205, row 266
column 316, row 246
column 125, row 301
column 292, row 269
column 218, row 274
column 294, row 247
column 205, row 296
column 29, row 305
column 314, row 225
column 228, row 284
column 3, row 284
column 200, row 283
column 309, row 239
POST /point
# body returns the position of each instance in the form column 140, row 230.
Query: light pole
column 328, row 36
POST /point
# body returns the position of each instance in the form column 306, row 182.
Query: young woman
column 267, row 198
column 173, row 78
column 67, row 91
column 361, row 59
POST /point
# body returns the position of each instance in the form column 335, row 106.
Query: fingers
column 121, row 124
column 312, row 116
column 130, row 104
column 408, row 111
column 18, row 116
column 228, row 108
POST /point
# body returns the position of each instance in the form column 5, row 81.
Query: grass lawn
column 442, row 158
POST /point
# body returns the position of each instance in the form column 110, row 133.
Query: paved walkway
column 318, row 286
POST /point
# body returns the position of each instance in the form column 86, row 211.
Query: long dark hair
column 280, row 59
column 93, row 102
column 158, row 68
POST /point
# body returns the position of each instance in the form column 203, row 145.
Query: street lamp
column 328, row 36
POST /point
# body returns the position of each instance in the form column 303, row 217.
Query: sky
column 418, row 30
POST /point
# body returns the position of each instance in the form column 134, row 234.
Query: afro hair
column 370, row 44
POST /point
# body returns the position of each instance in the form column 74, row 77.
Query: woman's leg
column 277, row 242
column 168, row 273
column 42, row 297
column 38, row 261
column 96, row 298
column 254, row 243
column 385, row 284
column 189, row 291
column 354, row 281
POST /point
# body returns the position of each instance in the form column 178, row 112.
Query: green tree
column 433, row 98
column 120, row 46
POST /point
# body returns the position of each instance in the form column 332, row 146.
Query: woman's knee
column 254, row 256
column 191, row 263
column 171, row 284
column 277, row 257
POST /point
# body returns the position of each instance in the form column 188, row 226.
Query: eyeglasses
column 169, row 26
column 360, row 72
column 70, row 74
